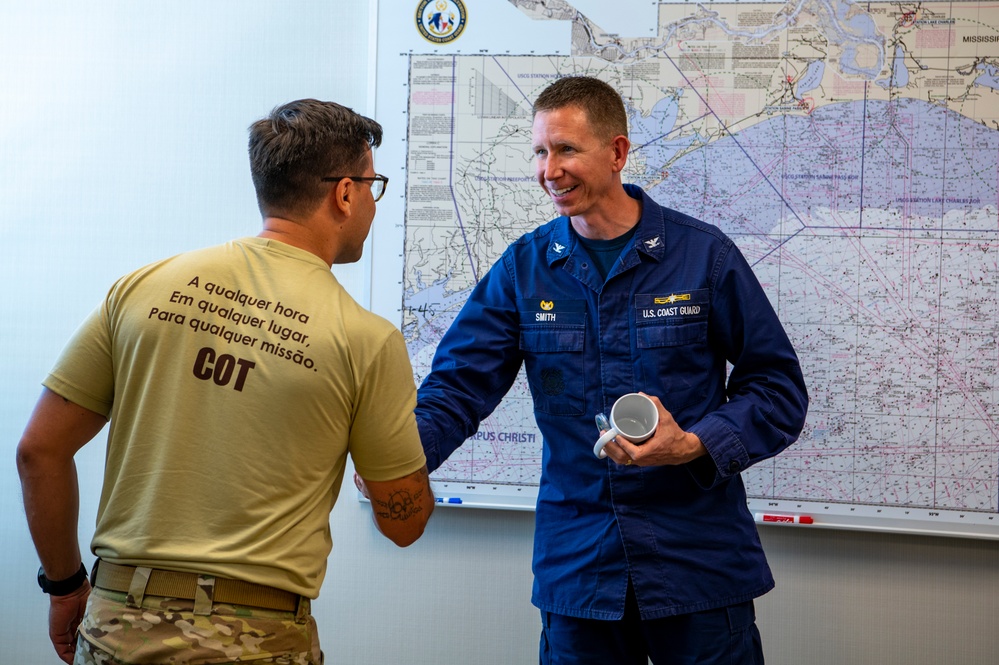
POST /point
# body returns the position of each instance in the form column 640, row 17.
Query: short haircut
column 301, row 142
column 602, row 104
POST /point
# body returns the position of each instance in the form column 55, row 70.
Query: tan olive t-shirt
column 237, row 378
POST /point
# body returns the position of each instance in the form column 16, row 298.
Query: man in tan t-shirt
column 236, row 380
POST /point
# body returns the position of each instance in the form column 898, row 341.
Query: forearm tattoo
column 401, row 505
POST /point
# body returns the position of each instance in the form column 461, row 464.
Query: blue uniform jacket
column 679, row 304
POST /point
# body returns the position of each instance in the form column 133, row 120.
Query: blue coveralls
column 679, row 304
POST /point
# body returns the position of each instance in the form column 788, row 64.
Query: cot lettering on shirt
column 221, row 368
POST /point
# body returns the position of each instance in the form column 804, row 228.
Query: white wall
column 122, row 136
column 123, row 131
column 854, row 598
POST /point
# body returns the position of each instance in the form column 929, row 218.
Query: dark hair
column 602, row 104
column 301, row 142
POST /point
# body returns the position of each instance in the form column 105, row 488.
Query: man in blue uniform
column 652, row 552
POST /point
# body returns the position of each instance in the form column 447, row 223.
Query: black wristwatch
column 62, row 587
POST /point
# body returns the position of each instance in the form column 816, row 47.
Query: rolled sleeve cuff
column 728, row 457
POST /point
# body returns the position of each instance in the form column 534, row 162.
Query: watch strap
column 62, row 587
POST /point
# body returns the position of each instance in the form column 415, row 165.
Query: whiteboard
column 863, row 194
column 768, row 513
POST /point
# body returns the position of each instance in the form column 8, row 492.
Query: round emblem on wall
column 440, row 21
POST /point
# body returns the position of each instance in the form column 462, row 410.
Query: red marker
column 784, row 519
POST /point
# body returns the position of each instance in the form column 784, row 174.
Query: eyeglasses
column 378, row 182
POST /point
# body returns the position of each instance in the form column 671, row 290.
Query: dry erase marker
column 784, row 519
column 448, row 499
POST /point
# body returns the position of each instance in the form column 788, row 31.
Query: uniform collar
column 562, row 242
column 650, row 237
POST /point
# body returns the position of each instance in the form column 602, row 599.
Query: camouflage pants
column 166, row 631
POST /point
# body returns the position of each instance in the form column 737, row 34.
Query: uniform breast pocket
column 676, row 362
column 553, row 360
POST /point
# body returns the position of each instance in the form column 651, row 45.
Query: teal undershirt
column 605, row 252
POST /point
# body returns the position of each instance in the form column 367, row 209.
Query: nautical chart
column 851, row 152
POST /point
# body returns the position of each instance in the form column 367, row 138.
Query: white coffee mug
column 634, row 417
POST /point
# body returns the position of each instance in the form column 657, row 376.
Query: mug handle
column 598, row 448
